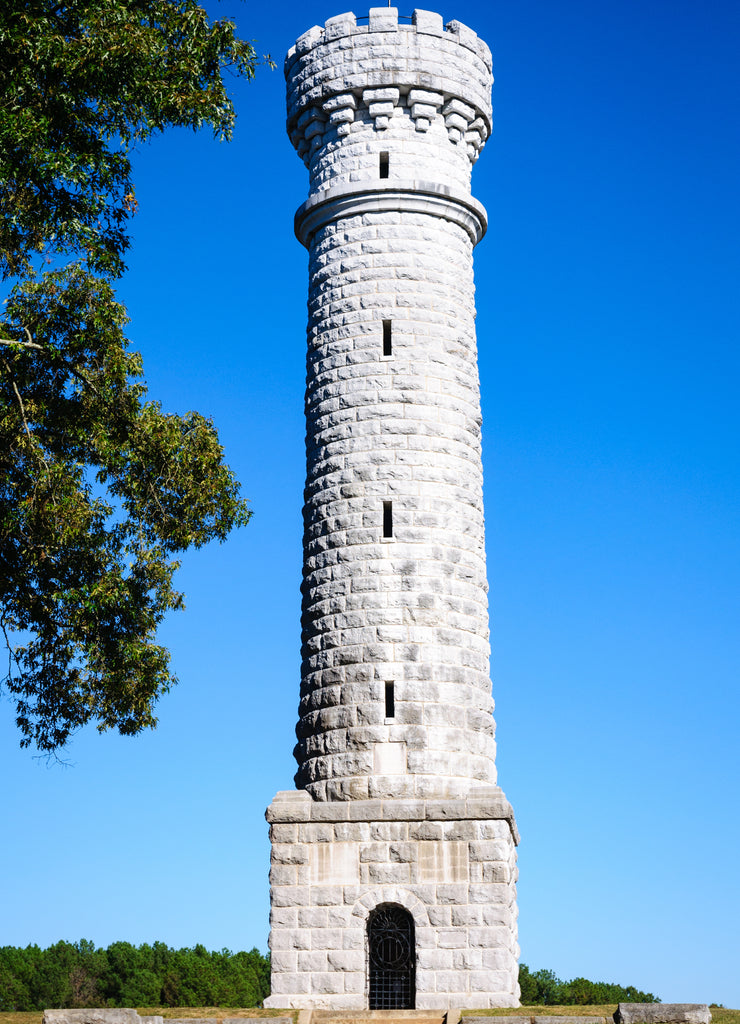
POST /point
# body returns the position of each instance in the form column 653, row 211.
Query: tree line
column 79, row 974
column 544, row 988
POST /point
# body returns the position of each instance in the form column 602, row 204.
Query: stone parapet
column 353, row 75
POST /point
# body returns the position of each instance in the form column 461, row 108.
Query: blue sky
column 608, row 333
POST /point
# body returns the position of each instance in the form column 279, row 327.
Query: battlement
column 386, row 19
column 354, row 72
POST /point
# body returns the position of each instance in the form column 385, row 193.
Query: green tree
column 84, row 978
column 68, row 975
column 100, row 489
column 544, row 988
column 50, row 982
column 16, row 972
column 527, row 986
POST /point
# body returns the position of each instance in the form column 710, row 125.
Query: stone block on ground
column 102, row 1015
column 662, row 1013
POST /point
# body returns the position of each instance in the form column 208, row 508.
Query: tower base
column 449, row 865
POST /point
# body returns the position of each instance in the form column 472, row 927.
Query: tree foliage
column 79, row 975
column 544, row 988
column 99, row 487
column 81, row 81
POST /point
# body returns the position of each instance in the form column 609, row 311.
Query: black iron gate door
column 391, row 946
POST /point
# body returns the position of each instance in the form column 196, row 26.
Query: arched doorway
column 392, row 958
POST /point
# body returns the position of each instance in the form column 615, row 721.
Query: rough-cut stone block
column 662, row 1013
column 339, row 26
column 426, row 110
column 383, row 19
column 428, row 22
column 383, row 108
column 456, row 106
column 435, row 99
column 382, row 95
column 91, row 1016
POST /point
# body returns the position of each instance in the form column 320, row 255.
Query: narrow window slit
column 383, row 169
column 387, row 518
column 387, row 338
column 390, row 700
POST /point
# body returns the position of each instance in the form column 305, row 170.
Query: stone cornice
column 385, row 196
column 485, row 804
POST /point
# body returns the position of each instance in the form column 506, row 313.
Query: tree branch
column 50, row 352
column 22, row 344
column 18, row 396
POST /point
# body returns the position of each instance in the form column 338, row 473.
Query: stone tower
column 393, row 862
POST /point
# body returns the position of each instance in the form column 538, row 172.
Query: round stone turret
column 395, row 698
column 419, row 86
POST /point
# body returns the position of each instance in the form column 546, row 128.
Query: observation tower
column 393, row 867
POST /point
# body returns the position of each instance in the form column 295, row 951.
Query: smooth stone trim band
column 401, row 196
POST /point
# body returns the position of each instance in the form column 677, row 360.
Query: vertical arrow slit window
column 387, row 518
column 390, row 700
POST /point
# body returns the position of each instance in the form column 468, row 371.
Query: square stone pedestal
column 451, row 864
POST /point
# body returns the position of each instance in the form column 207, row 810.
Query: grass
column 220, row 1012
column 550, row 1011
column 719, row 1016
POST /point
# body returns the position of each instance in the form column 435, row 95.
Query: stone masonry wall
column 451, row 864
column 396, row 429
column 412, row 608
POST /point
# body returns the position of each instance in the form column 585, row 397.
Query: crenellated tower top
column 382, row 79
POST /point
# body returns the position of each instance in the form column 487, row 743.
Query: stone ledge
column 394, row 195
column 487, row 804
